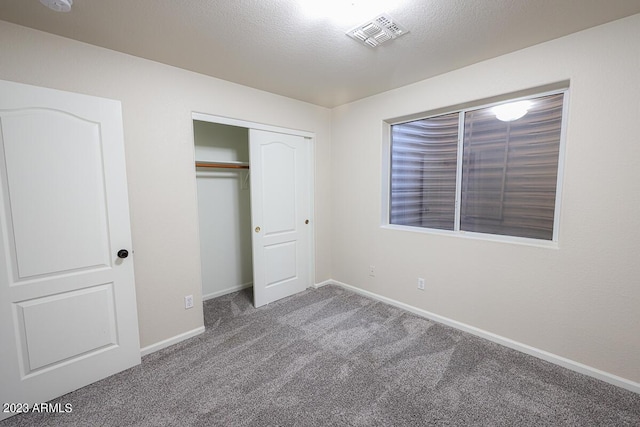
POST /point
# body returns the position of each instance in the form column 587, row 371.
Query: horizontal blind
column 423, row 172
column 509, row 171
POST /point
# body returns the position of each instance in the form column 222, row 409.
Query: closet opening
column 224, row 207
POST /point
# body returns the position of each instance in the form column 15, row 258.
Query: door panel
column 280, row 263
column 67, row 302
column 91, row 328
column 280, row 206
column 53, row 234
column 278, row 172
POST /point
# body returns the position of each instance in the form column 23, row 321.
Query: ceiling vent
column 58, row 5
column 377, row 31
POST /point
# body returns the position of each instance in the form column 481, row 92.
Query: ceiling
column 276, row 46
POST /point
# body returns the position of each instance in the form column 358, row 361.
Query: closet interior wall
column 224, row 208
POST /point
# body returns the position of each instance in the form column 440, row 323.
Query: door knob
column 257, row 229
column 306, row 221
column 123, row 253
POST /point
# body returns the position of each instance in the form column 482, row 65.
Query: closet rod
column 221, row 165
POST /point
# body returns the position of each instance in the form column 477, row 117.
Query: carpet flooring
column 329, row 357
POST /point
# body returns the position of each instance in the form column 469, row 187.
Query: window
column 479, row 169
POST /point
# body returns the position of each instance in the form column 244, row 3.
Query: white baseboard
column 189, row 334
column 170, row 341
column 524, row 348
column 326, row 282
column 226, row 291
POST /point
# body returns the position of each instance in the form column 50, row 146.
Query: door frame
column 309, row 136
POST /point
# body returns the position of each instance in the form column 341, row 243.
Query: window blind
column 423, row 172
column 509, row 171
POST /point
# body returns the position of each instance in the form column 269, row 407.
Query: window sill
column 475, row 236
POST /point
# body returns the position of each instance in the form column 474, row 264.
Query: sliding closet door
column 280, row 206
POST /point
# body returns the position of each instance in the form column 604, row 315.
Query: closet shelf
column 222, row 165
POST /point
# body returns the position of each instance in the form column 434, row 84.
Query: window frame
column 461, row 110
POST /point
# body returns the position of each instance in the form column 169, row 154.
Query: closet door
column 280, row 206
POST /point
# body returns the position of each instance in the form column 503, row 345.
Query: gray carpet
column 329, row 357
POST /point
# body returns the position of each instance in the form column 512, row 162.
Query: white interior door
column 67, row 299
column 280, row 214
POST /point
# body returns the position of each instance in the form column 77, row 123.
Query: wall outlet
column 421, row 283
column 372, row 270
column 188, row 301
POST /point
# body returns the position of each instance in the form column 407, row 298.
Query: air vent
column 58, row 5
column 377, row 31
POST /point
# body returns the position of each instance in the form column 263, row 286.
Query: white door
column 67, row 300
column 280, row 214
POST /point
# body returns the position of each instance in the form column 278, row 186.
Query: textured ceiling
column 275, row 46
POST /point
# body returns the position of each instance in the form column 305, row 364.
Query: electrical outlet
column 421, row 283
column 188, row 301
column 372, row 270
